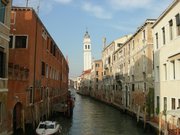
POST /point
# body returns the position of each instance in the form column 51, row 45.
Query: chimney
column 104, row 42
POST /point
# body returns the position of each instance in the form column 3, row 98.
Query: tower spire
column 87, row 51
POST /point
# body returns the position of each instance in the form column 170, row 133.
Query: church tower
column 87, row 51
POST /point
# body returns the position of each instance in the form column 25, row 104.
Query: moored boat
column 48, row 128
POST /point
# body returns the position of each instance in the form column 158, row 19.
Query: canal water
column 91, row 117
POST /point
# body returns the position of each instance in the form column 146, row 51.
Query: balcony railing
column 3, row 83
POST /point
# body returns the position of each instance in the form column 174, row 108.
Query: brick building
column 5, row 6
column 38, row 71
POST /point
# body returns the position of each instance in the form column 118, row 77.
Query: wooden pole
column 160, row 123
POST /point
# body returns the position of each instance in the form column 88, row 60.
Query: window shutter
column 4, row 65
column 177, row 20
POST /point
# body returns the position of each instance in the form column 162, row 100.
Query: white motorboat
column 48, row 128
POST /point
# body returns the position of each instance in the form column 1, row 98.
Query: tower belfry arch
column 87, row 51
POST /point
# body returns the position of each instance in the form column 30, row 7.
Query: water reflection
column 94, row 118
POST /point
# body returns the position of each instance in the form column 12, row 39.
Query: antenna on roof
column 38, row 7
column 104, row 42
column 27, row 3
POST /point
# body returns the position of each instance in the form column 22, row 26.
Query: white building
column 166, row 34
column 87, row 51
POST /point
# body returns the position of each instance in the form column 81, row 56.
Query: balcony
column 3, row 83
column 119, row 77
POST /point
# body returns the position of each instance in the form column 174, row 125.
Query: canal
column 91, row 117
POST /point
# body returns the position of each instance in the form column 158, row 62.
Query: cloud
column 63, row 1
column 96, row 11
column 128, row 4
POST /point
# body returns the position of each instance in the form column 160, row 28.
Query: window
column 30, row 95
column 1, row 112
column 97, row 80
column 144, row 35
column 88, row 46
column 85, row 46
column 47, row 47
column 97, row 65
column 109, row 60
column 54, row 50
column 2, row 11
column 157, row 73
column 11, row 42
column 42, row 68
column 132, row 78
column 97, row 73
column 171, row 29
column 178, row 103
column 144, row 87
column 165, row 72
column 2, row 63
column 119, row 44
column 173, row 103
column 172, row 70
column 41, row 93
column 178, row 24
column 157, row 105
column 114, row 58
column 157, row 46
column 164, row 36
column 178, row 70
column 51, row 47
column 47, row 73
column 133, row 45
column 20, row 41
column 165, row 103
column 133, row 87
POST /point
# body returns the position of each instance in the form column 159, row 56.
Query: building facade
column 5, row 10
column 96, row 79
column 38, row 71
column 166, row 34
column 108, row 71
column 87, row 51
column 136, row 71
column 85, row 86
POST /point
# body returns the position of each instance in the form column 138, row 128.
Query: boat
column 48, row 128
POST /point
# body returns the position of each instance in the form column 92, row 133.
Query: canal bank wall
column 147, row 125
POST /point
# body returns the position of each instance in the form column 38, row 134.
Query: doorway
column 17, row 119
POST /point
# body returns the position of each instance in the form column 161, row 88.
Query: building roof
column 165, row 12
column 97, row 60
column 87, row 71
column 140, row 28
column 113, row 42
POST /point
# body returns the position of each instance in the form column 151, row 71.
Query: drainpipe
column 35, row 50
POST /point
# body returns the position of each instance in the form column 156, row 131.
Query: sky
column 67, row 21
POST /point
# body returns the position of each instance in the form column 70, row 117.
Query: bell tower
column 87, row 51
